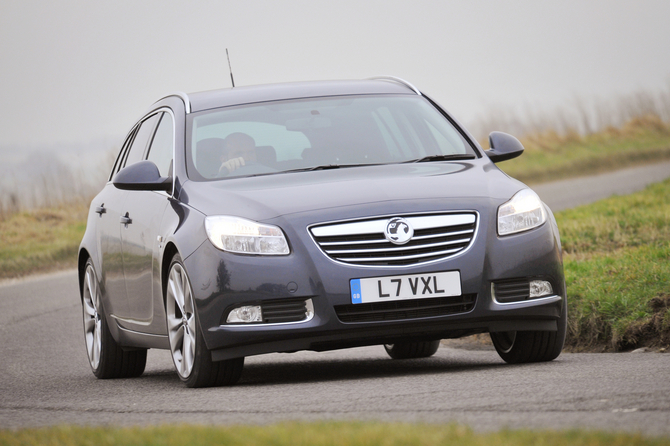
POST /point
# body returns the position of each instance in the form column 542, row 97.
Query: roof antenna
column 230, row 68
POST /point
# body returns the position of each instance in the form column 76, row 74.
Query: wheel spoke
column 89, row 326
column 90, row 281
column 189, row 354
column 176, row 339
column 173, row 322
column 89, row 309
column 97, row 346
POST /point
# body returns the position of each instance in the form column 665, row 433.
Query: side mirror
column 503, row 147
column 142, row 176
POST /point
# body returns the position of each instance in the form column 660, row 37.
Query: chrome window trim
column 397, row 80
column 183, row 96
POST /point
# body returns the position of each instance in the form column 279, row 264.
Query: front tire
column 190, row 355
column 412, row 350
column 518, row 347
column 106, row 358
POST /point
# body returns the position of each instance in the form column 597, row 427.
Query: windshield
column 309, row 134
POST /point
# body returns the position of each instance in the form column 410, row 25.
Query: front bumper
column 222, row 281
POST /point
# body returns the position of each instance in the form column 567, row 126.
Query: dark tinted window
column 122, row 153
column 141, row 140
column 282, row 136
column 162, row 145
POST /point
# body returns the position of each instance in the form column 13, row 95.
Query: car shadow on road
column 315, row 371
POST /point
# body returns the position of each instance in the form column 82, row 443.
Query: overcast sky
column 78, row 71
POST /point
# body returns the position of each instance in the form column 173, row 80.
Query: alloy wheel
column 92, row 317
column 181, row 320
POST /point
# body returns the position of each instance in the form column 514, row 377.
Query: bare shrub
column 578, row 118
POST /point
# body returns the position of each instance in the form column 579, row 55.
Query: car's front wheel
column 412, row 350
column 517, row 347
column 106, row 357
column 190, row 355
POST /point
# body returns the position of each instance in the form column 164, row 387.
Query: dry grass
column 41, row 240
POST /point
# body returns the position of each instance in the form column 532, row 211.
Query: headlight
column 523, row 212
column 235, row 234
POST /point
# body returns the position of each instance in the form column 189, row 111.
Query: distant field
column 550, row 156
column 41, row 240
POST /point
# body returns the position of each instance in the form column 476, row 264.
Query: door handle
column 126, row 220
column 101, row 209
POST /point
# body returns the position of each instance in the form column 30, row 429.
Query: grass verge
column 617, row 267
column 550, row 156
column 41, row 240
column 317, row 434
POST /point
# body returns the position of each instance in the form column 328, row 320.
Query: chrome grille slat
column 436, row 236
column 359, row 242
column 416, row 256
column 424, row 237
column 396, row 249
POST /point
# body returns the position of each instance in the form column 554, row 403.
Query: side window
column 162, row 145
column 122, row 153
column 136, row 152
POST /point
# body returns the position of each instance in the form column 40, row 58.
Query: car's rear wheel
column 190, row 355
column 106, row 357
column 412, row 350
column 516, row 347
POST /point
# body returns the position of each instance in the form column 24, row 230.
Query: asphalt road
column 46, row 379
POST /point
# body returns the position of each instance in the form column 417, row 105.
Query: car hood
column 267, row 197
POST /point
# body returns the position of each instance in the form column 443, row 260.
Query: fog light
column 309, row 307
column 245, row 315
column 539, row 288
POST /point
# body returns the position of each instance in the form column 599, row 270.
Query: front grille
column 512, row 290
column 405, row 309
column 363, row 242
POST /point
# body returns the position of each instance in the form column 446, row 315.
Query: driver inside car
column 239, row 149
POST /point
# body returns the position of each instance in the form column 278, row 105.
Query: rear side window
column 145, row 132
column 122, row 153
column 162, row 145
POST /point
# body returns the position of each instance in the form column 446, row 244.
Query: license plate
column 415, row 286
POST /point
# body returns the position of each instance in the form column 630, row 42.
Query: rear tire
column 190, row 355
column 106, row 358
column 412, row 350
column 518, row 347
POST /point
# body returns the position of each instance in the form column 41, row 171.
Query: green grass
column 551, row 157
column 41, row 240
column 318, row 434
column 617, row 266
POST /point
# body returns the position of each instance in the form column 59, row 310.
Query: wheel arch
column 83, row 257
column 168, row 254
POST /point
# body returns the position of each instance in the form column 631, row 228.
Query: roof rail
column 398, row 80
column 183, row 96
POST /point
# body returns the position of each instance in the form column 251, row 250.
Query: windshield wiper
column 326, row 167
column 452, row 157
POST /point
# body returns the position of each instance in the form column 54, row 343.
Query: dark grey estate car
column 313, row 216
